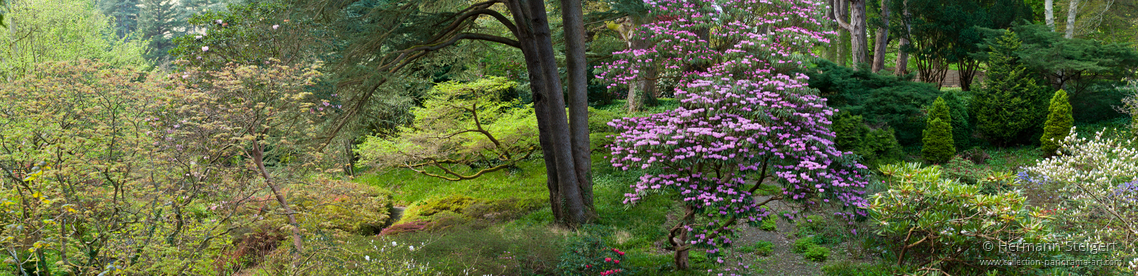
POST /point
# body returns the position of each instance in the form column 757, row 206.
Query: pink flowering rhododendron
column 744, row 114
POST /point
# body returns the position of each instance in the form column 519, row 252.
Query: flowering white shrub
column 1098, row 180
column 1130, row 104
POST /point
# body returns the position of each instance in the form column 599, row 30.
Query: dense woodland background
column 523, row 137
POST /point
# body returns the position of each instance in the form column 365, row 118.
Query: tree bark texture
column 842, row 15
column 572, row 15
column 902, row 67
column 1072, row 11
column 1049, row 13
column 534, row 36
column 678, row 238
column 882, row 38
column 859, row 43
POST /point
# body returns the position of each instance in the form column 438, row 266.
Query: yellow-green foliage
column 600, row 133
column 53, row 30
column 942, row 219
column 341, row 205
column 468, row 123
column 938, row 144
column 455, row 203
column 1059, row 122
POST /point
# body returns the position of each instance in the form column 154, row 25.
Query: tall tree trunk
column 1049, row 13
column 902, row 55
column 856, row 27
column 860, row 41
column 844, row 36
column 1072, row 10
column 549, row 106
column 882, row 38
column 574, row 23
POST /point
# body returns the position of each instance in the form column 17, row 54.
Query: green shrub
column 1059, row 122
column 769, row 225
column 963, row 170
column 882, row 99
column 938, row 146
column 600, row 133
column 958, row 113
column 930, row 218
column 473, row 124
column 803, row 244
column 875, row 146
column 1010, row 108
column 341, row 205
column 817, row 253
column 587, row 254
column 454, row 203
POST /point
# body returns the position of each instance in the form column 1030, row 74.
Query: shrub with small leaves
column 943, row 223
column 802, row 244
column 1095, row 177
column 1059, row 123
column 587, row 254
column 938, row 144
column 817, row 253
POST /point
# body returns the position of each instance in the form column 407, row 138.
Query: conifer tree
column 1010, row 107
column 1059, row 122
column 938, row 143
column 961, row 129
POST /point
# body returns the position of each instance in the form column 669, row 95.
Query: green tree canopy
column 42, row 30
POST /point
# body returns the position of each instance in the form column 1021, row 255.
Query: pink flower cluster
column 742, row 113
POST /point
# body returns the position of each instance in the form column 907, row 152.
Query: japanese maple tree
column 744, row 118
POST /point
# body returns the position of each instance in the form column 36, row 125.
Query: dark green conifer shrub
column 1009, row 109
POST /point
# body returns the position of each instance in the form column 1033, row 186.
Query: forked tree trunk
column 859, row 43
column 678, row 238
column 533, row 33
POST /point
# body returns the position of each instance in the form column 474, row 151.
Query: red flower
column 608, row 259
column 588, row 266
column 616, row 261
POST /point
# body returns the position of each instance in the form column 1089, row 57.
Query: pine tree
column 156, row 23
column 123, row 13
column 1010, row 107
column 938, row 144
column 1059, row 121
